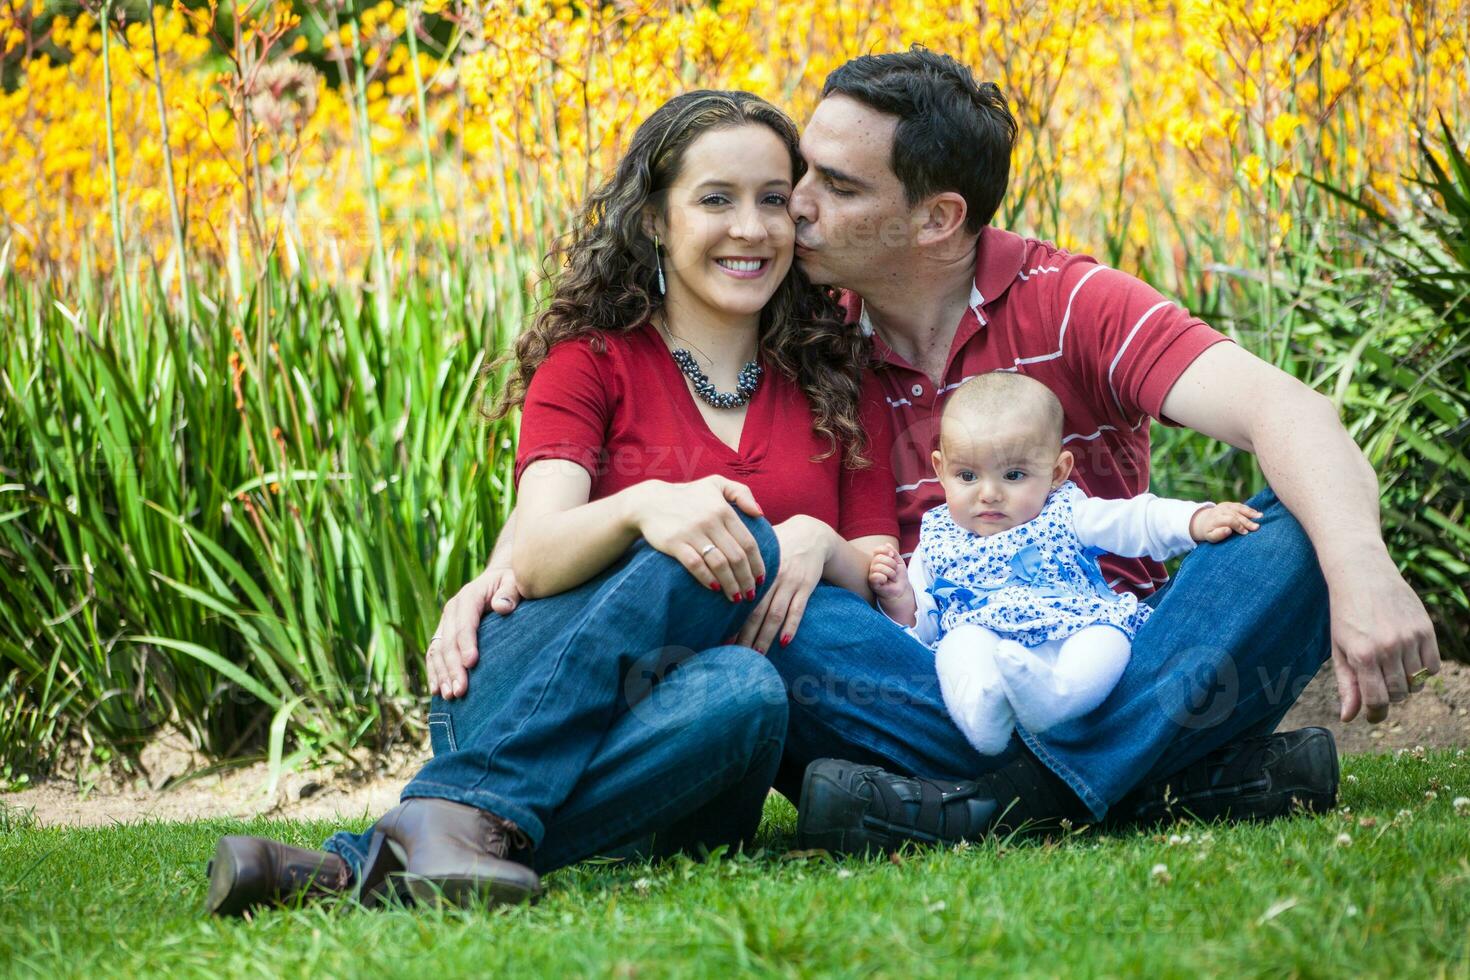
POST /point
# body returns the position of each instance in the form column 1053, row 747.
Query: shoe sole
column 223, row 873
column 459, row 891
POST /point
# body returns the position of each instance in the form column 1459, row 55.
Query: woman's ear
column 650, row 221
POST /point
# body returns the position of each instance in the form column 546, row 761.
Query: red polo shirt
column 1107, row 344
column 626, row 416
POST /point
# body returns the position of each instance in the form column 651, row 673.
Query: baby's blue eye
column 967, row 476
column 1014, row 475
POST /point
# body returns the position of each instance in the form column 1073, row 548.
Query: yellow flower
column 1283, row 128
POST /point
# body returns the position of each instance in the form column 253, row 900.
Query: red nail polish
column 786, row 640
column 760, row 580
column 714, row 586
column 750, row 594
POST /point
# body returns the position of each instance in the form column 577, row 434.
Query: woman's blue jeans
column 616, row 712
column 1232, row 643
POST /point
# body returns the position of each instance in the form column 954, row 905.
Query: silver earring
column 658, row 264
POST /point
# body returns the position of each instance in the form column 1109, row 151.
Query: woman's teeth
column 741, row 265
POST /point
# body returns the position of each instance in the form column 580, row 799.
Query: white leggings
column 989, row 684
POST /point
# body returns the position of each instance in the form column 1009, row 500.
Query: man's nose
column 801, row 206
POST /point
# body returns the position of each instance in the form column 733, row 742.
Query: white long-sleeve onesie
column 990, row 681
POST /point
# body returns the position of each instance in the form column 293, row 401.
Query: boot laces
column 503, row 837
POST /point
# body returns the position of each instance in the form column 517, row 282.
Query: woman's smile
column 744, row 268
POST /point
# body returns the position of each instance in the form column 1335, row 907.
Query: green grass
column 1281, row 899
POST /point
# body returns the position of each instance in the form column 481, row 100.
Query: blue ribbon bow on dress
column 1026, row 571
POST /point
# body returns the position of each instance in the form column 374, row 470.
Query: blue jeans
column 1231, row 645
column 613, row 714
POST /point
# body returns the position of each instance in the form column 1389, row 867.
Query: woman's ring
column 706, row 550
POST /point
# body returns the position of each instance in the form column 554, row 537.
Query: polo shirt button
column 917, row 390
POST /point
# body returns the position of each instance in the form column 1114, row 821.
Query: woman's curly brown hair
column 606, row 282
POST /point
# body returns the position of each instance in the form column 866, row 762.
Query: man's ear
column 941, row 217
column 936, row 459
column 1062, row 469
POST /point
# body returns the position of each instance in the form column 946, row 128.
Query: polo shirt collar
column 999, row 256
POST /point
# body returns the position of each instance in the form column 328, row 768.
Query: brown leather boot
column 251, row 871
column 441, row 851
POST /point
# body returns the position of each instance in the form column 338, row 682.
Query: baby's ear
column 936, row 459
column 1062, row 469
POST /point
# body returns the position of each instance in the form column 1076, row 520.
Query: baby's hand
column 887, row 576
column 1218, row 522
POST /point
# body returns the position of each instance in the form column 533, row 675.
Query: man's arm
column 1381, row 634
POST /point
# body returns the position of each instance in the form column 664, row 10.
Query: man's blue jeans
column 1232, row 643
column 611, row 714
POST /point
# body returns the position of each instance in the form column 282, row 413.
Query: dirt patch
column 1438, row 716
column 177, row 784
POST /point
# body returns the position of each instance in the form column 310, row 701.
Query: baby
column 1004, row 585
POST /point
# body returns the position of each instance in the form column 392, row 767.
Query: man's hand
column 1383, row 644
column 1220, row 521
column 889, row 580
column 455, row 647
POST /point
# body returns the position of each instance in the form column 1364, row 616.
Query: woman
column 693, row 414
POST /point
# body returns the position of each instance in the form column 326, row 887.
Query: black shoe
column 1253, row 779
column 847, row 808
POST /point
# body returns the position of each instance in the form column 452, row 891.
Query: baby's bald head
column 1004, row 402
column 1000, row 451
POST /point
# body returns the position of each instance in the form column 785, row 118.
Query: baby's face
column 997, row 476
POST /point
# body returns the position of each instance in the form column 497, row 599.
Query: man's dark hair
column 953, row 133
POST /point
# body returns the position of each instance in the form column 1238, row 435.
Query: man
column 908, row 160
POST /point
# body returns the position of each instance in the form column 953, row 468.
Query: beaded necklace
column 746, row 381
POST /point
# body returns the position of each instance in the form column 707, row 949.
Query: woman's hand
column 455, row 646
column 694, row 524
column 806, row 546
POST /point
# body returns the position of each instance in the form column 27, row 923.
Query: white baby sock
column 973, row 689
column 1062, row 680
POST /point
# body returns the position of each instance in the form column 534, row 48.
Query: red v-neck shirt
column 1108, row 345
column 627, row 415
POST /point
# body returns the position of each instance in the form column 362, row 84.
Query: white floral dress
column 1040, row 581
